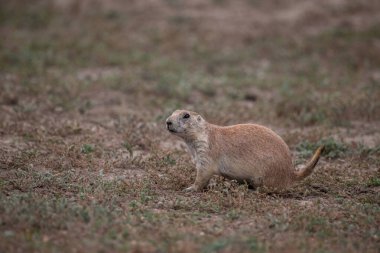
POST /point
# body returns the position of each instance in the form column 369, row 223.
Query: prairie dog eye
column 186, row 116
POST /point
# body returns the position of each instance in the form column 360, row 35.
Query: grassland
column 87, row 166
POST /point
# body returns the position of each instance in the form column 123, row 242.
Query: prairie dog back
column 249, row 152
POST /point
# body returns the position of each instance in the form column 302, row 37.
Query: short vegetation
column 86, row 164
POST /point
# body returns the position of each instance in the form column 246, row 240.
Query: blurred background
column 85, row 87
column 299, row 62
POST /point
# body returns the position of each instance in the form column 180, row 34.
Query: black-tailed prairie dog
column 245, row 152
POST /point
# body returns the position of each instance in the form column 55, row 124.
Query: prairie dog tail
column 309, row 167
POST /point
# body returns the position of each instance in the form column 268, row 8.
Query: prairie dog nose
column 169, row 123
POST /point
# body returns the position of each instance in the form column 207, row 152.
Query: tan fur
column 245, row 152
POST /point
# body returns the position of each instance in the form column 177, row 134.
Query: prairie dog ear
column 199, row 118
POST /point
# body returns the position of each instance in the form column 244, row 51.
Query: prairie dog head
column 185, row 124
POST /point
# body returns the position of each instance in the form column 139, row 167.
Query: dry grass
column 86, row 164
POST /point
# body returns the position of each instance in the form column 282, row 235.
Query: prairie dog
column 245, row 152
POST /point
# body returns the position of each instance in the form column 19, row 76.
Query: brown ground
column 87, row 166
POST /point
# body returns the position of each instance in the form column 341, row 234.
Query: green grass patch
column 234, row 244
column 87, row 149
column 373, row 182
column 333, row 149
column 129, row 147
